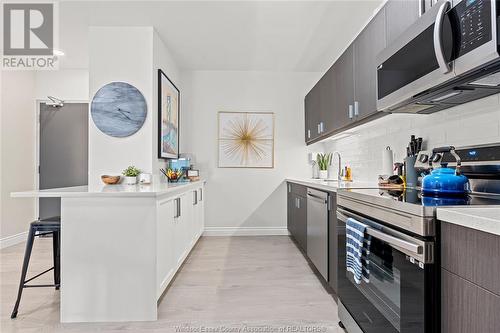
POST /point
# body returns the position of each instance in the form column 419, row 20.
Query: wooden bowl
column 110, row 180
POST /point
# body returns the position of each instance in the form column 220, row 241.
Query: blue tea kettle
column 446, row 181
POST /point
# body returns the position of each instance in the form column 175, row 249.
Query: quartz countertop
column 119, row 190
column 482, row 218
column 332, row 185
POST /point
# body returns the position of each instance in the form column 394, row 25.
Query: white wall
column 65, row 84
column 120, row 54
column 18, row 154
column 476, row 122
column 246, row 198
column 162, row 59
column 132, row 55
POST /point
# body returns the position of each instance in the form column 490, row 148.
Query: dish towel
column 357, row 250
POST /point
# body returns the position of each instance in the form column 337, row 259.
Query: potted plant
column 130, row 175
column 323, row 161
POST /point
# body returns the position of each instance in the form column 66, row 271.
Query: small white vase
column 129, row 180
column 323, row 174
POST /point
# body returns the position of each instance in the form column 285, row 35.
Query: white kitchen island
column 121, row 245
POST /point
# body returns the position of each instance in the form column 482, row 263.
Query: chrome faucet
column 339, row 173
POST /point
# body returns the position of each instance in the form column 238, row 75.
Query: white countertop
column 483, row 218
column 332, row 185
column 119, row 190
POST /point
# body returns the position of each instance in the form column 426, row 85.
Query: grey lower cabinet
column 297, row 214
column 297, row 226
column 332, row 242
column 470, row 283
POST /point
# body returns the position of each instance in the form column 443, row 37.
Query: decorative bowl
column 110, row 180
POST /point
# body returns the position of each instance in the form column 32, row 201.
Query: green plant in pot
column 323, row 161
column 130, row 175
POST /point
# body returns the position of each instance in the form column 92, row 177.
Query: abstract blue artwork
column 118, row 109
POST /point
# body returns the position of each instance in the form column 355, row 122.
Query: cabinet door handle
column 289, row 188
column 201, row 194
column 298, row 203
column 356, row 108
column 351, row 111
column 319, row 129
column 195, row 198
column 308, row 134
column 178, row 207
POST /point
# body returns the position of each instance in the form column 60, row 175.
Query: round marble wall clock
column 118, row 109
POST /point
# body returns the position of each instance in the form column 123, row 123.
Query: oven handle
column 438, row 38
column 394, row 241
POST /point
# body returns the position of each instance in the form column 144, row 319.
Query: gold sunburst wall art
column 246, row 139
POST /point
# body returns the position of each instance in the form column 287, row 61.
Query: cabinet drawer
column 471, row 254
column 466, row 307
column 297, row 189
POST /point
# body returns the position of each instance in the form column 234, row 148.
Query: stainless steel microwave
column 449, row 56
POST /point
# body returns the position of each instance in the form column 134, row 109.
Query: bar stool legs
column 26, row 261
column 55, row 250
column 43, row 227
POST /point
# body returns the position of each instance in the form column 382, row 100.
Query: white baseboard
column 13, row 240
column 245, row 231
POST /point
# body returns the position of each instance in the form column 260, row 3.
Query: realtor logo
column 28, row 36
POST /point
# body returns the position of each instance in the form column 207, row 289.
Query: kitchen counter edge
column 486, row 219
column 331, row 186
column 115, row 191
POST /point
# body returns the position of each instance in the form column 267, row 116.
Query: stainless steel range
column 402, row 293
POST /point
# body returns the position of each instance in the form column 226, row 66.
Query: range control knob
column 423, row 158
column 435, row 158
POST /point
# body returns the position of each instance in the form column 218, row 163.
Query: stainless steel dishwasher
column 317, row 230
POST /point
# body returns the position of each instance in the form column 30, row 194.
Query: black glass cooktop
column 414, row 196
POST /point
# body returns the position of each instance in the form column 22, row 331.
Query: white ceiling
column 226, row 35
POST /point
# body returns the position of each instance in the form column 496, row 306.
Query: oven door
column 401, row 292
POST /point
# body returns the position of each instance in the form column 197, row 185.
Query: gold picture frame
column 245, row 139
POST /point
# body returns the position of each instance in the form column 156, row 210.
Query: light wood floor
column 226, row 283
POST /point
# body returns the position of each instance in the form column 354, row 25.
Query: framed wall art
column 246, row 139
column 168, row 117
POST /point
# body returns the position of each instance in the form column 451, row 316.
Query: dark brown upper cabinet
column 399, row 16
column 346, row 95
column 370, row 42
column 312, row 104
column 343, row 104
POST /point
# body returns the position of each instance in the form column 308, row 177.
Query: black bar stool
column 39, row 228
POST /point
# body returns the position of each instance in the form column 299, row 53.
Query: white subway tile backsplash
column 476, row 122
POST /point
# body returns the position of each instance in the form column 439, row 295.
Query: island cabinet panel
column 180, row 223
column 471, row 254
column 466, row 307
column 164, row 240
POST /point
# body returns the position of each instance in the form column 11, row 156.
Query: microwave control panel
column 474, row 24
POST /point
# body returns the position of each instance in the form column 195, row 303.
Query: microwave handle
column 438, row 38
column 394, row 241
